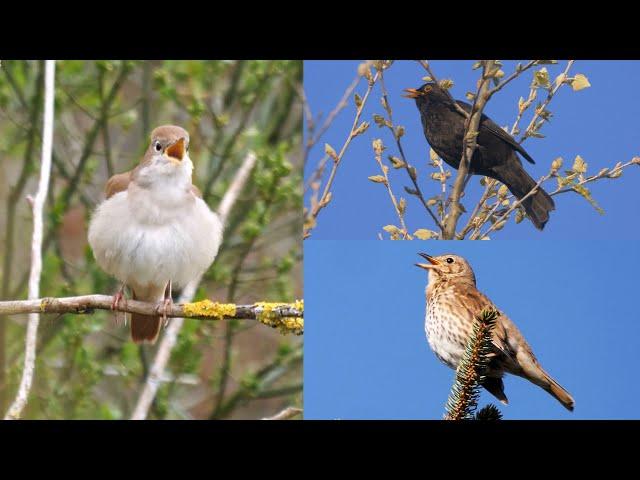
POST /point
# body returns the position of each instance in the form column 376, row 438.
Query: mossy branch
column 463, row 399
column 287, row 317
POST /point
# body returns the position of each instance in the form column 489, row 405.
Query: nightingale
column 453, row 301
column 154, row 231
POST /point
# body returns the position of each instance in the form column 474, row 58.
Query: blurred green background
column 87, row 367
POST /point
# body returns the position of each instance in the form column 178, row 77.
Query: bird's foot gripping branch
column 286, row 317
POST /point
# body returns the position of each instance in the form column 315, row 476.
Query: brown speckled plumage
column 453, row 301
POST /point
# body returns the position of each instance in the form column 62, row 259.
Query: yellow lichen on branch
column 268, row 314
column 287, row 317
column 207, row 308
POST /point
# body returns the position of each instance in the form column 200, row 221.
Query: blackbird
column 495, row 153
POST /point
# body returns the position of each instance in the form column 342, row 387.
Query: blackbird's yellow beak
column 433, row 262
column 176, row 151
column 412, row 93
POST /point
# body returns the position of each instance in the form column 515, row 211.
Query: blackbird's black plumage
column 495, row 154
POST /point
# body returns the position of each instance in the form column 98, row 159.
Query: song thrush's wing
column 473, row 302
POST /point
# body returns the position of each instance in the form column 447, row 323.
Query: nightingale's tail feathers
column 145, row 328
column 520, row 183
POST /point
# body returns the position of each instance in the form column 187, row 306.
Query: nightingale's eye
column 449, row 260
column 157, row 146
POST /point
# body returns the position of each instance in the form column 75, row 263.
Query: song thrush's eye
column 449, row 260
column 157, row 146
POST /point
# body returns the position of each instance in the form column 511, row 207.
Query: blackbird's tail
column 518, row 181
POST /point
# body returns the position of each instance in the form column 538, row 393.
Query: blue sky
column 599, row 123
column 366, row 355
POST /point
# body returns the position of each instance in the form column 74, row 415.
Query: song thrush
column 453, row 301
column 495, row 153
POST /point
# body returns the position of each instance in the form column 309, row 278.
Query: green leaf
column 541, row 78
column 586, row 194
column 396, row 162
column 446, row 83
column 579, row 165
column 328, row 149
column 379, row 120
column 402, row 206
column 424, row 234
column 580, row 82
column 361, row 129
column 377, row 179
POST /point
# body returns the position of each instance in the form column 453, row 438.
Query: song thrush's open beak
column 433, row 262
column 412, row 93
column 176, row 151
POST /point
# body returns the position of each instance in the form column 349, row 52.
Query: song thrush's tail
column 535, row 374
column 518, row 181
column 559, row 393
column 145, row 328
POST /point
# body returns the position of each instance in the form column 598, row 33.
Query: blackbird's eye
column 157, row 147
column 449, row 260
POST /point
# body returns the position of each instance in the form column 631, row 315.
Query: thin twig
column 604, row 173
column 408, row 168
column 472, row 127
column 205, row 310
column 315, row 137
column 499, row 221
column 546, row 102
column 324, row 199
column 15, row 410
column 474, row 224
column 15, row 194
column 286, row 414
column 512, row 77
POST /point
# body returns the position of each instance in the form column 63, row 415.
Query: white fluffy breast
column 148, row 237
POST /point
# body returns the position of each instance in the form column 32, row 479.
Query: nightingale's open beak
column 433, row 262
column 412, row 93
column 176, row 150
